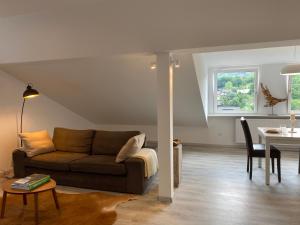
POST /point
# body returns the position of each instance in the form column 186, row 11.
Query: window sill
column 253, row 115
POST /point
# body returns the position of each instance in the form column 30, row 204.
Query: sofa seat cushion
column 54, row 161
column 100, row 164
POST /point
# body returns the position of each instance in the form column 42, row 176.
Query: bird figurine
column 270, row 100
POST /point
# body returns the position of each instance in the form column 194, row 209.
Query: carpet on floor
column 76, row 209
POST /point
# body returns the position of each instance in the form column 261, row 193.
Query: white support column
column 165, row 126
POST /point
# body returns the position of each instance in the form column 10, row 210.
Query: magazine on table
column 31, row 182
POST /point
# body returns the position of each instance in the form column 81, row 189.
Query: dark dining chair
column 258, row 151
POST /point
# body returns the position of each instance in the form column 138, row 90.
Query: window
column 235, row 90
column 294, row 93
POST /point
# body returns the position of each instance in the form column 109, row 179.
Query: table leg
column 3, row 204
column 36, row 208
column 55, row 198
column 259, row 159
column 24, row 199
column 267, row 169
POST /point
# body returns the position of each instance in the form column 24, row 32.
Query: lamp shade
column 30, row 93
column 291, row 70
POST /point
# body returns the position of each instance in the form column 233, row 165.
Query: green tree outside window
column 236, row 91
column 295, row 92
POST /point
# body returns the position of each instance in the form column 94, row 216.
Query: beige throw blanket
column 151, row 162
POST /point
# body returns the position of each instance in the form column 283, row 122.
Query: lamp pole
column 21, row 124
column 28, row 93
column 22, row 111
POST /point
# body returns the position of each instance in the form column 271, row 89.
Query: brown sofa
column 86, row 159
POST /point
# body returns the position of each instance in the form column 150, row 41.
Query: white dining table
column 279, row 138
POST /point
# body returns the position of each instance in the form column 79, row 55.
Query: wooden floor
column 215, row 190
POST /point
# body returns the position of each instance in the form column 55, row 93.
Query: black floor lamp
column 28, row 93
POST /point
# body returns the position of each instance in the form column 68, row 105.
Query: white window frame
column 232, row 70
column 289, row 90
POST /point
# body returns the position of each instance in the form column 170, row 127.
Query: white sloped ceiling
column 118, row 90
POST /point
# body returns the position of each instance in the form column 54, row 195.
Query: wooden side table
column 177, row 158
column 50, row 186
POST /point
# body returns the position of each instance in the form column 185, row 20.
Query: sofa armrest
column 135, row 175
column 19, row 158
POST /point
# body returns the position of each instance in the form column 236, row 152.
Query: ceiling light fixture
column 173, row 62
column 176, row 63
column 292, row 69
column 153, row 66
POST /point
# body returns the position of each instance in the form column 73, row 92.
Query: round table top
column 6, row 186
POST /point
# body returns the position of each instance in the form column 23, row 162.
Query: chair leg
column 299, row 164
column 259, row 162
column 251, row 162
column 248, row 163
column 272, row 165
column 279, row 169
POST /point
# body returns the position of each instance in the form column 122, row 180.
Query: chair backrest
column 247, row 133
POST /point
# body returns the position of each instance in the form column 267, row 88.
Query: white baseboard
column 199, row 145
column 238, row 146
column 153, row 144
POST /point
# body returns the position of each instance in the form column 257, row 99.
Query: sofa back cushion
column 69, row 140
column 111, row 142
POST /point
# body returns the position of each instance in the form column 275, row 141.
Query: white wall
column 277, row 84
column 220, row 131
column 40, row 113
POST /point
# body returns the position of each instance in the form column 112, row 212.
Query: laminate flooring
column 216, row 190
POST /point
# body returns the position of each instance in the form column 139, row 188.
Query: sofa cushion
column 35, row 143
column 68, row 140
column 100, row 164
column 111, row 142
column 132, row 146
column 54, row 160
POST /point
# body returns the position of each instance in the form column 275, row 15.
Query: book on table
column 30, row 182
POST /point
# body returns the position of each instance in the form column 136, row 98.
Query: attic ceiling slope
column 73, row 29
column 250, row 57
column 116, row 90
column 16, row 8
